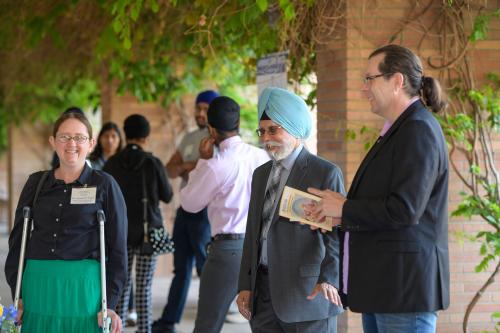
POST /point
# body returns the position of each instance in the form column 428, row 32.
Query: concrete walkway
column 160, row 291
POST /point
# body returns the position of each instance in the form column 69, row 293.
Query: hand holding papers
column 292, row 207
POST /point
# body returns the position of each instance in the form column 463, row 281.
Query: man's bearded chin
column 284, row 149
column 201, row 125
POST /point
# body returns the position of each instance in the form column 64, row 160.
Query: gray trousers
column 218, row 284
column 266, row 321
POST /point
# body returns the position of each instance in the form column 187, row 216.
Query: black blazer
column 397, row 216
column 298, row 257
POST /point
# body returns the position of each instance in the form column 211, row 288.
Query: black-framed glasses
column 367, row 79
column 64, row 138
column 271, row 130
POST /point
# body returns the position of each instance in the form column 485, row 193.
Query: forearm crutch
column 106, row 321
column 26, row 215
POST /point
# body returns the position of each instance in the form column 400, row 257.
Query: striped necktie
column 272, row 191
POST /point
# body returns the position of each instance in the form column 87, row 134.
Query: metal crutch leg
column 104, row 303
column 20, row 269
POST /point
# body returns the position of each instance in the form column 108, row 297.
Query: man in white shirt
column 222, row 183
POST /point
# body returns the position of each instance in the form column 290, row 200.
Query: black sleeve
column 165, row 192
column 12, row 261
column 415, row 172
column 116, row 227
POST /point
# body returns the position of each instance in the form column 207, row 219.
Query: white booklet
column 291, row 207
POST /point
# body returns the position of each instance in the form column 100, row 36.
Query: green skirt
column 61, row 296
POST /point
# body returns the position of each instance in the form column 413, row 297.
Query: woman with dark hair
column 109, row 142
column 61, row 285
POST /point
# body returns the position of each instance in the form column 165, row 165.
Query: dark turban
column 206, row 96
column 224, row 114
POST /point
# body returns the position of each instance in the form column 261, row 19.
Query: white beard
column 285, row 149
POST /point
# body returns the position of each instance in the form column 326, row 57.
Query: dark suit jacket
column 397, row 216
column 298, row 257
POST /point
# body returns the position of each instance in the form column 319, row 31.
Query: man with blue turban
column 191, row 230
column 285, row 265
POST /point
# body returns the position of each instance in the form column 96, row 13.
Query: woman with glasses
column 61, row 287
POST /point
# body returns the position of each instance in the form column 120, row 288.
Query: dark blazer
column 397, row 216
column 298, row 257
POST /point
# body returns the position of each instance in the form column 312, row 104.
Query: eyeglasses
column 64, row 138
column 367, row 79
column 271, row 130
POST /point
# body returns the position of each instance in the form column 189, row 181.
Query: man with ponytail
column 395, row 264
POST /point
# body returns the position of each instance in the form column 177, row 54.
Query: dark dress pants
column 218, row 285
column 266, row 321
column 191, row 236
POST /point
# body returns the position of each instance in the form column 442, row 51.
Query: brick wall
column 340, row 67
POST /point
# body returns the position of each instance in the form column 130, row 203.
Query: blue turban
column 206, row 96
column 287, row 110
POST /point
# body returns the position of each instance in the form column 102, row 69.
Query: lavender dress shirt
column 223, row 184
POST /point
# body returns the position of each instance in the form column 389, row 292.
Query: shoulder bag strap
column 144, row 206
column 39, row 187
column 35, row 198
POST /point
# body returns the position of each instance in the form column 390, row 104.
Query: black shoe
column 162, row 327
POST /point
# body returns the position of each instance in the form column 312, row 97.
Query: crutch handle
column 26, row 212
column 101, row 216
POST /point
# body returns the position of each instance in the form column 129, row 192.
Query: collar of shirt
column 133, row 146
column 289, row 161
column 229, row 142
column 82, row 180
column 388, row 124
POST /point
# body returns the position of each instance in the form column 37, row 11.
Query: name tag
column 83, row 195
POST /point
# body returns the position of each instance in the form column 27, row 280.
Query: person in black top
column 61, row 289
column 129, row 167
column 108, row 143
